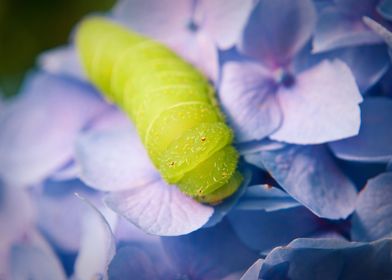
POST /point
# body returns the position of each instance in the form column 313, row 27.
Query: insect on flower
column 171, row 104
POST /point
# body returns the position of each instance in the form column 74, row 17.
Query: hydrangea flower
column 284, row 96
column 270, row 98
column 341, row 25
column 89, row 146
column 212, row 253
column 193, row 29
column 24, row 252
column 325, row 259
column 304, row 86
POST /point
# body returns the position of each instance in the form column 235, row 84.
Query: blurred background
column 29, row 27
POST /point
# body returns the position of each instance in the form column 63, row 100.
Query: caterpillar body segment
column 171, row 104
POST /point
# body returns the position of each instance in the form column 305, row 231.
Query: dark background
column 28, row 27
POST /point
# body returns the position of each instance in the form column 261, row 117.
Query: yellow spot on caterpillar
column 203, row 138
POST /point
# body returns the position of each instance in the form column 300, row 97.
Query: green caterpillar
column 171, row 104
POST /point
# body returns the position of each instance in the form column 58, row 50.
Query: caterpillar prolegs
column 171, row 104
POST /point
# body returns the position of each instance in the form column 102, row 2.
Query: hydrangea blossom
column 270, row 98
column 341, row 24
column 304, row 85
column 325, row 259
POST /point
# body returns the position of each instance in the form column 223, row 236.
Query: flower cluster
column 305, row 86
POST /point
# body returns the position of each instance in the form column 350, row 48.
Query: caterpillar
column 171, row 104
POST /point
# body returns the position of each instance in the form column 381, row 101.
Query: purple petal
column 335, row 30
column 168, row 21
column 373, row 143
column 224, row 20
column 60, row 218
column 128, row 232
column 381, row 31
column 140, row 261
column 247, row 94
column 367, row 63
column 209, row 253
column 261, row 145
column 69, row 171
column 277, row 30
column 158, row 19
column 17, row 215
column 114, row 160
column 267, row 198
column 198, row 49
column 325, row 259
column 372, row 218
column 311, row 113
column 385, row 9
column 97, row 243
column 356, row 7
column 159, row 208
column 34, row 259
column 253, row 272
column 39, row 127
column 113, row 119
column 62, row 61
column 263, row 231
column 310, row 175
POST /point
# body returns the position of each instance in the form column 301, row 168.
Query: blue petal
column 253, row 272
column 224, row 20
column 373, row 143
column 39, row 127
column 17, row 215
column 385, row 9
column 367, row 63
column 159, row 208
column 380, row 30
column 158, row 19
column 326, row 259
column 247, row 94
column 263, row 231
column 210, row 253
column 60, row 216
column 126, row 232
column 34, row 259
column 265, row 197
column 140, row 262
column 97, row 246
column 261, row 145
column 277, row 30
column 198, row 49
column 321, row 106
column 69, row 171
column 114, row 160
column 372, row 218
column 168, row 21
column 356, row 7
column 310, row 175
column 62, row 61
column 336, row 29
